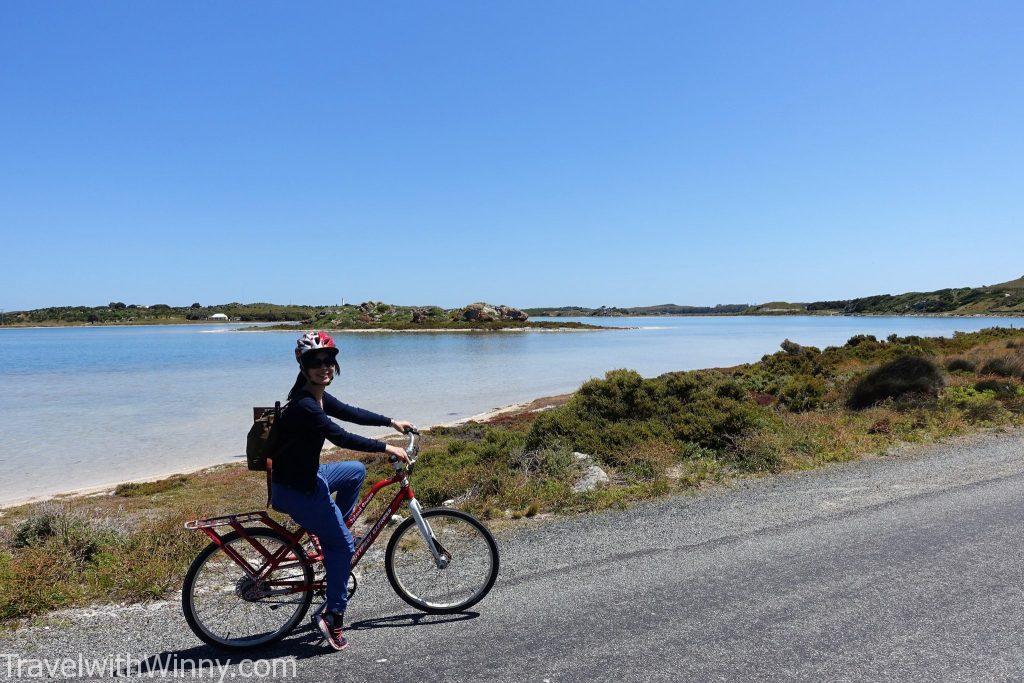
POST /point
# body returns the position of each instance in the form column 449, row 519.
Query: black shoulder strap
column 270, row 456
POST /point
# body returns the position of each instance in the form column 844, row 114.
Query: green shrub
column 863, row 339
column 802, row 393
column 548, row 462
column 35, row 529
column 961, row 365
column 793, row 359
column 716, row 422
column 999, row 387
column 691, row 451
column 977, row 406
column 146, row 488
column 565, row 425
column 622, row 394
column 906, row 376
column 756, row 451
column 1004, row 366
column 608, row 416
column 65, row 535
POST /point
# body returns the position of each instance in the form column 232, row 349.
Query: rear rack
column 230, row 520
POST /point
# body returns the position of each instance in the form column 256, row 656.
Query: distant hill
column 1012, row 284
column 1006, row 298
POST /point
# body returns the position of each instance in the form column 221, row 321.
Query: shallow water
column 84, row 407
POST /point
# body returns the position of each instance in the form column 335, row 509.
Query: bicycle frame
column 285, row 557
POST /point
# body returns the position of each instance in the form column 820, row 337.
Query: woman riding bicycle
column 302, row 487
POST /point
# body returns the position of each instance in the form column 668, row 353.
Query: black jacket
column 304, row 427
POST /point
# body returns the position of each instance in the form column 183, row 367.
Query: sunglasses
column 315, row 362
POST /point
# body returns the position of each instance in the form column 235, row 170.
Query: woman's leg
column 344, row 479
column 319, row 514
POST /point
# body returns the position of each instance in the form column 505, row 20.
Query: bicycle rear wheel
column 470, row 572
column 227, row 609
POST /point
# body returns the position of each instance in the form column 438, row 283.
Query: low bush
column 1004, row 366
column 802, row 393
column 999, row 387
column 907, row 376
column 146, row 488
column 961, row 365
column 649, row 461
column 863, row 339
column 609, row 416
column 66, row 534
column 756, row 451
column 977, row 406
column 555, row 462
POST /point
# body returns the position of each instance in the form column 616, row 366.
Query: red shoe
column 329, row 624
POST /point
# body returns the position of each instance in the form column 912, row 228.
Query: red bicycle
column 254, row 584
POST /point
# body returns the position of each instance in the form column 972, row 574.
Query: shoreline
column 259, row 323
column 260, row 327
column 534, row 405
column 442, row 330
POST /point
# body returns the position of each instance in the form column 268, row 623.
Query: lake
column 84, row 407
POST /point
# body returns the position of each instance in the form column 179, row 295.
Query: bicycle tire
column 201, row 630
column 433, row 516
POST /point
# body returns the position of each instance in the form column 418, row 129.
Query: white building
column 218, row 316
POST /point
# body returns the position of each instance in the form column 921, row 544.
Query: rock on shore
column 482, row 312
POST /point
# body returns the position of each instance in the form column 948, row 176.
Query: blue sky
column 528, row 153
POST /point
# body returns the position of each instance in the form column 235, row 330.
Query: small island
column 377, row 315
column 367, row 316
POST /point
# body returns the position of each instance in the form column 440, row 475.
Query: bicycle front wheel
column 228, row 609
column 470, row 562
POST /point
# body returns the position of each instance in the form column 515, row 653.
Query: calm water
column 90, row 406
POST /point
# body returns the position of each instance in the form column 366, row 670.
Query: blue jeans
column 318, row 513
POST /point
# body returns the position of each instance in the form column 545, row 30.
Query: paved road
column 904, row 567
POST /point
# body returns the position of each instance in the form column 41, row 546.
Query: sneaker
column 329, row 624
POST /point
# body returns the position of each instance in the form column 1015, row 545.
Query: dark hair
column 300, row 382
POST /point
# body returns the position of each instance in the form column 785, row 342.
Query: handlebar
column 411, row 450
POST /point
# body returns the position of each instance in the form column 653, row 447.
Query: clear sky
column 528, row 153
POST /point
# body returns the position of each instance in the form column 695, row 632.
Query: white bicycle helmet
column 315, row 341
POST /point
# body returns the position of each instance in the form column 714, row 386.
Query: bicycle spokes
column 447, row 571
column 227, row 606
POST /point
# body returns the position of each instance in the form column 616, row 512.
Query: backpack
column 261, row 443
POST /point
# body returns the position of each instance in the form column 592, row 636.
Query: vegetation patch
column 1000, row 387
column 976, row 405
column 905, row 376
column 1004, row 366
column 149, row 488
column 961, row 365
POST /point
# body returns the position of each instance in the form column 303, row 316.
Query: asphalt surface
column 906, row 567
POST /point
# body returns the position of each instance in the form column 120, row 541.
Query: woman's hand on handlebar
column 402, row 426
column 397, row 452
